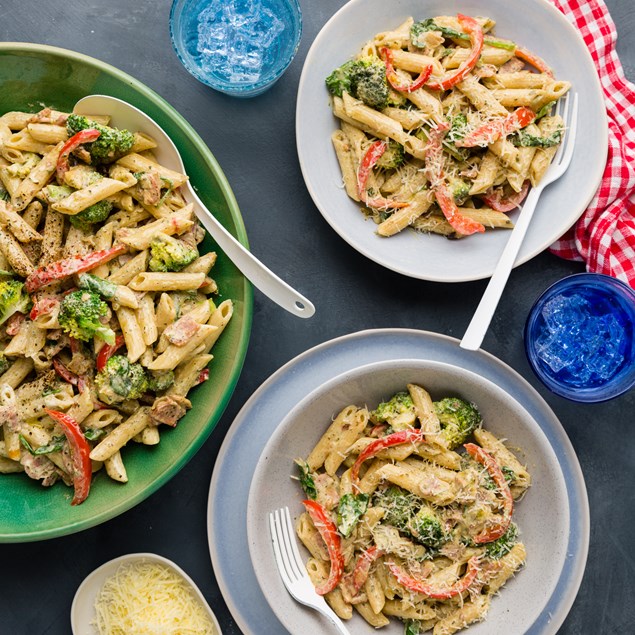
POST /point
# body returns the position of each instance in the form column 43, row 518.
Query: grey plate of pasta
column 419, row 493
column 421, row 128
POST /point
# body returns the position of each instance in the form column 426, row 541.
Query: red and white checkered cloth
column 604, row 236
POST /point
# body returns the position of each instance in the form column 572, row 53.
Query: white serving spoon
column 124, row 115
column 83, row 606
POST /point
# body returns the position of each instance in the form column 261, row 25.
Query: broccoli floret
column 426, row 527
column 458, row 419
column 349, row 510
column 94, row 214
column 4, row 195
column 460, row 190
column 13, row 299
column 160, row 380
column 95, row 284
column 169, row 254
column 399, row 506
column 398, row 411
column 364, row 79
column 81, row 314
column 111, row 144
column 306, row 479
column 339, row 80
column 393, row 157
column 53, row 193
column 503, row 545
column 368, row 83
column 121, row 380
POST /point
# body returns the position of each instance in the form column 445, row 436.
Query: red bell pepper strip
column 488, row 461
column 80, row 451
column 494, row 130
column 331, row 538
column 202, row 376
column 420, row 586
column 360, row 572
column 535, row 61
column 61, row 269
column 107, row 351
column 83, row 136
column 68, row 376
column 42, row 306
column 494, row 198
column 462, row 224
column 373, row 154
column 393, row 80
column 475, row 31
column 434, row 172
column 411, row 435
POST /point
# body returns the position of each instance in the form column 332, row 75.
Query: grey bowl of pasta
column 108, row 383
column 423, row 496
column 421, row 128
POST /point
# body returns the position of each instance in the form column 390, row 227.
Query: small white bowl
column 83, row 607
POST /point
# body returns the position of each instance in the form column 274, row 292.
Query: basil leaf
column 55, row 445
column 92, row 434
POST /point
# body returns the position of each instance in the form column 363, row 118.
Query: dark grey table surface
column 40, row 579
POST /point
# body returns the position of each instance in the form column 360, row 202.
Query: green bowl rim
column 241, row 234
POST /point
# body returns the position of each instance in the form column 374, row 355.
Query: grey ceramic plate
column 536, row 25
column 260, row 416
column 523, row 598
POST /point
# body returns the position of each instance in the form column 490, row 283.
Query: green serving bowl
column 32, row 75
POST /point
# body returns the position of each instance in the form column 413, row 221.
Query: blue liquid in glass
column 238, row 42
column 583, row 337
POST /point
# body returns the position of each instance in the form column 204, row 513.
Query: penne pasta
column 418, row 102
column 392, row 534
column 90, row 347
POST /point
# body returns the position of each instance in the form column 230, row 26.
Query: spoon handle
column 255, row 271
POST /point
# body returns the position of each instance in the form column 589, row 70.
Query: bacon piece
column 169, row 409
column 181, row 332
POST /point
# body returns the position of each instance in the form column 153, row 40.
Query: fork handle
column 482, row 317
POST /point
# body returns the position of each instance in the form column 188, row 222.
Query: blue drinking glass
column 238, row 47
column 580, row 337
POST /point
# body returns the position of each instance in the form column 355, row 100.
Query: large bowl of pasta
column 422, row 126
column 421, row 494
column 124, row 327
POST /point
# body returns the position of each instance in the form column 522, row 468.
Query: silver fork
column 292, row 570
column 473, row 338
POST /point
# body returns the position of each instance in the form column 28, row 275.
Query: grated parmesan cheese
column 148, row 598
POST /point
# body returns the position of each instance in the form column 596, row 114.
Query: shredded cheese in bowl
column 149, row 598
